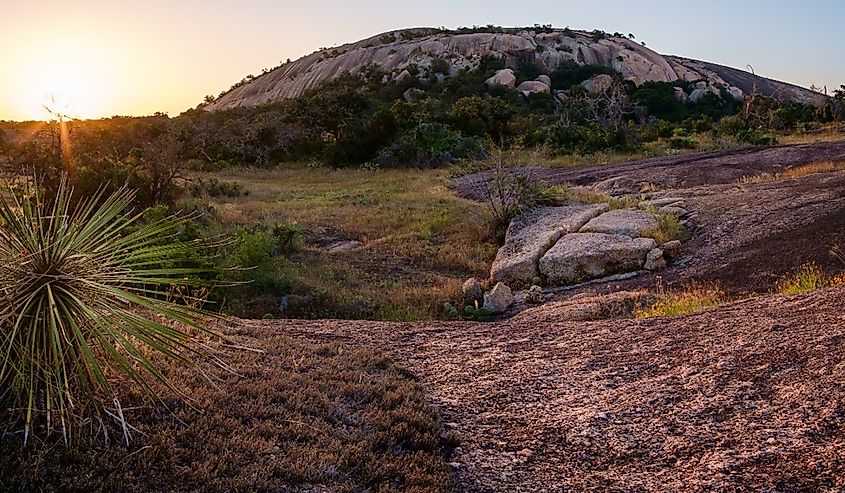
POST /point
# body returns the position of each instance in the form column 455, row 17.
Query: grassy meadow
column 419, row 241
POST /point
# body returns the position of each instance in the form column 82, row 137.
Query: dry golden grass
column 796, row 172
column 829, row 134
column 288, row 417
column 420, row 241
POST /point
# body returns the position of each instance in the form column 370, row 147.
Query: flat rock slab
column 582, row 256
column 672, row 201
column 532, row 234
column 675, row 211
column 628, row 222
column 343, row 246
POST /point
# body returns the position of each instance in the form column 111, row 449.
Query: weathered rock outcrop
column 396, row 52
column 532, row 234
column 579, row 257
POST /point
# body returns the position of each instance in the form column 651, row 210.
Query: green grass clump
column 682, row 303
column 809, row 277
column 669, row 228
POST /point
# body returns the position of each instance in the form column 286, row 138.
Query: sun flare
column 69, row 80
column 70, row 91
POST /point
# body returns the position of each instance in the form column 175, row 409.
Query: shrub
column 216, row 188
column 439, row 66
column 431, row 144
column 72, row 279
column 570, row 74
column 660, row 100
column 288, row 237
column 680, row 140
column 734, row 126
column 254, row 247
column 583, row 139
column 482, row 117
column 730, row 126
column 510, row 194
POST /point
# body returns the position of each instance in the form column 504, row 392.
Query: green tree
column 482, row 116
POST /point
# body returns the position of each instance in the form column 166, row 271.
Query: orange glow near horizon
column 103, row 58
column 67, row 77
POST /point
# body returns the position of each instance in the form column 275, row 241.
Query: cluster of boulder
column 495, row 301
column 507, row 78
column 573, row 244
column 543, row 83
column 703, row 88
column 602, row 83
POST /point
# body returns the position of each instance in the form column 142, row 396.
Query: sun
column 68, row 79
column 72, row 91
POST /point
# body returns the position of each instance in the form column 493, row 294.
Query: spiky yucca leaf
column 81, row 287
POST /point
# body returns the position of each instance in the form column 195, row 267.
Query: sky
column 93, row 58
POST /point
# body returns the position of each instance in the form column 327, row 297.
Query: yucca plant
column 83, row 287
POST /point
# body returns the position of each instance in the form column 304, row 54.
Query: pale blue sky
column 165, row 55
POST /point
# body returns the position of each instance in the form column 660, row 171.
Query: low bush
column 429, row 145
column 215, row 188
column 258, row 270
column 583, row 139
column 510, row 193
column 571, row 74
column 681, row 140
column 669, row 228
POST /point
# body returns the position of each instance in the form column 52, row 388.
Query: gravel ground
column 746, row 397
